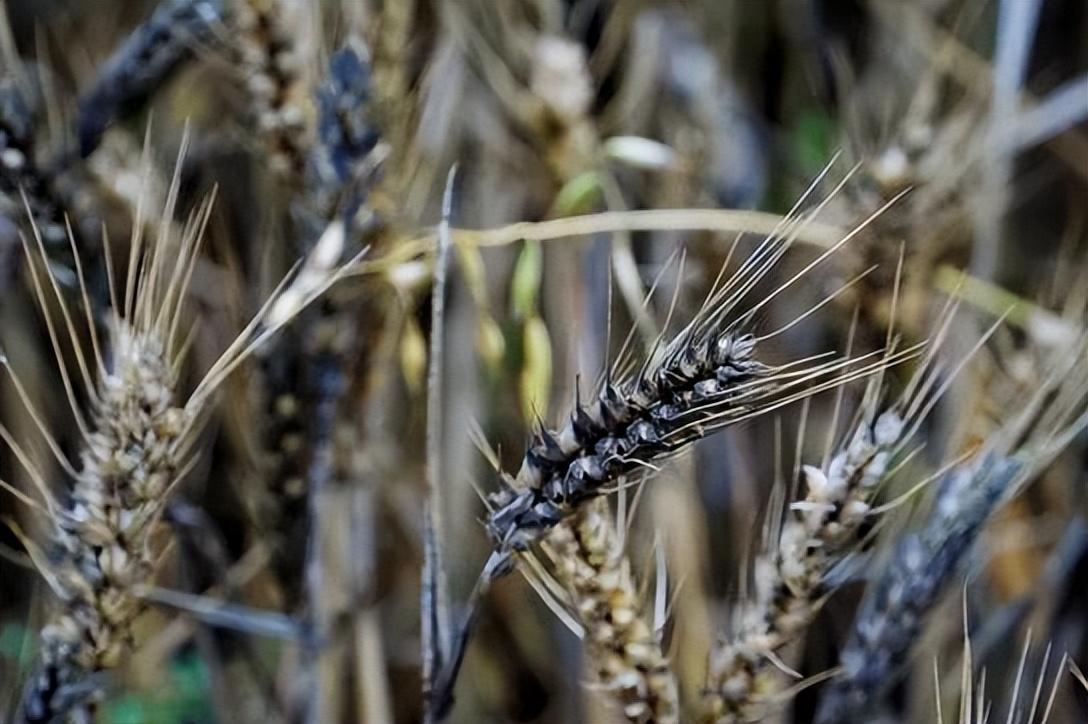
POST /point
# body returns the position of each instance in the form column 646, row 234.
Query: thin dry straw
column 441, row 653
column 143, row 63
column 923, row 564
column 621, row 646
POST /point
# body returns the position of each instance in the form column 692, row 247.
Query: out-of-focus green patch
column 807, row 146
column 184, row 698
column 13, row 639
column 812, row 140
column 525, row 283
column 579, row 195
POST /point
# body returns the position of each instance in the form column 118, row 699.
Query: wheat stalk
column 621, row 647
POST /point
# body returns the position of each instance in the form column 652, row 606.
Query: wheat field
column 709, row 361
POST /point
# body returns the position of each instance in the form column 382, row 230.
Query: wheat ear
column 144, row 62
column 272, row 51
column 705, row 378
column 620, row 644
column 819, row 533
column 137, row 441
column 743, row 671
column 923, row 562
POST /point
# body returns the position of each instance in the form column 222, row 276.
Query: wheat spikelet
column 620, row 644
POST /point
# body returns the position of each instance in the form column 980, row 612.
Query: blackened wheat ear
column 143, row 63
column 705, row 383
column 627, row 428
column 708, row 376
column 894, row 613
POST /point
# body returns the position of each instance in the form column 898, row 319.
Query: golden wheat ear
column 621, row 646
column 137, row 435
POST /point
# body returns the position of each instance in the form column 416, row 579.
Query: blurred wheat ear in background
column 550, row 361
